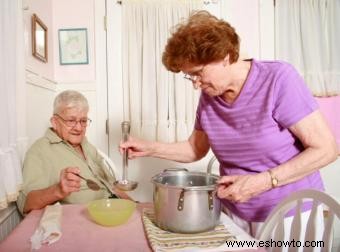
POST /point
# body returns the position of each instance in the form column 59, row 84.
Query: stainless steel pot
column 185, row 202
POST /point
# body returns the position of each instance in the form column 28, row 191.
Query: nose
column 196, row 83
column 78, row 126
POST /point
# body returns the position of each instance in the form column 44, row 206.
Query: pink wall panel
column 330, row 108
column 69, row 14
column 43, row 10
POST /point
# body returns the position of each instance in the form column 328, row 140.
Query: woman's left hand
column 240, row 188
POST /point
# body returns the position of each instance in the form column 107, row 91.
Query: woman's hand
column 240, row 188
column 136, row 147
column 69, row 182
column 186, row 151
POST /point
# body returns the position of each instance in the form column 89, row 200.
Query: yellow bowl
column 111, row 212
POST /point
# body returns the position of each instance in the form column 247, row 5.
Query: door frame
column 114, row 76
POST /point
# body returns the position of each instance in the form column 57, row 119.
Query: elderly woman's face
column 62, row 124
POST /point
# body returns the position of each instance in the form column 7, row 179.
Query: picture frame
column 73, row 49
column 39, row 39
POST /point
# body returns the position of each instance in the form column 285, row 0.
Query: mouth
column 75, row 133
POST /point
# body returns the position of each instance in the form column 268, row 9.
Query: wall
column 43, row 9
column 45, row 80
column 40, row 95
column 329, row 107
column 67, row 15
column 330, row 176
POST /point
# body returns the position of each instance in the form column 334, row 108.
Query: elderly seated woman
column 53, row 162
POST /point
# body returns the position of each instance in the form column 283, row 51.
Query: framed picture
column 73, row 46
column 39, row 39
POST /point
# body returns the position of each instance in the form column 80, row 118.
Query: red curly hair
column 201, row 39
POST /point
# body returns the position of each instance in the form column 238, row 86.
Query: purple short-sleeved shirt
column 251, row 135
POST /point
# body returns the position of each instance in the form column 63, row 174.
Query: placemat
column 161, row 240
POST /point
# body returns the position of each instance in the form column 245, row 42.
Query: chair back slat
column 312, row 222
column 279, row 232
column 295, row 228
column 109, row 165
column 328, row 233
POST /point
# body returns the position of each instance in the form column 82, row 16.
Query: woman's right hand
column 193, row 149
column 137, row 147
column 69, row 182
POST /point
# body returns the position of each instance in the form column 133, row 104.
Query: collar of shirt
column 54, row 138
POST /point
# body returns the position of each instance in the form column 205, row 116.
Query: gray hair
column 69, row 99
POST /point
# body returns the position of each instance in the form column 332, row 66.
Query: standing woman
column 258, row 117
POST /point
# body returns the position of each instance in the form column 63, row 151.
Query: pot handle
column 180, row 204
column 211, row 200
column 175, row 169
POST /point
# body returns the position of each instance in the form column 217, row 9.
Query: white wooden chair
column 108, row 163
column 273, row 227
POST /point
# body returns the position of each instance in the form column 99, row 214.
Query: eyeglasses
column 72, row 123
column 195, row 76
column 192, row 78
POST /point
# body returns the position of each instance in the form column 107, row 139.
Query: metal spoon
column 125, row 184
column 90, row 183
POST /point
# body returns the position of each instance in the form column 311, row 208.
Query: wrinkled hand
column 240, row 188
column 69, row 182
column 136, row 147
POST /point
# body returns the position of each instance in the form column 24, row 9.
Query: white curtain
column 308, row 36
column 160, row 105
column 11, row 30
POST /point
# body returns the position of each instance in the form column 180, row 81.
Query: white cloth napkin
column 49, row 229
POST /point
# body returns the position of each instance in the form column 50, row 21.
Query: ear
column 53, row 122
column 226, row 60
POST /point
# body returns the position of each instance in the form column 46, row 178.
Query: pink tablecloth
column 80, row 234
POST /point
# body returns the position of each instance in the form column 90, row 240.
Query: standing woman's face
column 70, row 125
column 212, row 78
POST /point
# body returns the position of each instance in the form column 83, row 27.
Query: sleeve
column 34, row 176
column 292, row 99
column 197, row 125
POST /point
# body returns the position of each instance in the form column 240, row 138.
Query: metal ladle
column 125, row 184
